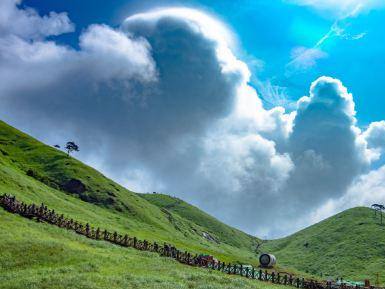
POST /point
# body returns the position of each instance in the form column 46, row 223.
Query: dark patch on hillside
column 74, row 186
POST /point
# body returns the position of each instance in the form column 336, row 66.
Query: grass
column 350, row 244
column 36, row 255
column 219, row 231
column 104, row 203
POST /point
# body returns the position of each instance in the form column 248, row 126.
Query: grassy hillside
column 349, row 245
column 37, row 255
column 35, row 172
column 215, row 230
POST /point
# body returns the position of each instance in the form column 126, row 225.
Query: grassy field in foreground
column 37, row 255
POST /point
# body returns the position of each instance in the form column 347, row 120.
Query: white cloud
column 127, row 56
column 375, row 135
column 251, row 162
column 368, row 189
column 28, row 24
column 163, row 102
column 302, row 58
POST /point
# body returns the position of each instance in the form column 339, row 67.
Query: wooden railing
column 42, row 214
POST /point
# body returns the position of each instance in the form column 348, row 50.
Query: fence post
column 88, row 230
column 42, row 213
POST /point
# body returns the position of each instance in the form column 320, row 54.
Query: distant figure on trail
column 71, row 147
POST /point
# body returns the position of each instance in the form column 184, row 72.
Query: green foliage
column 349, row 245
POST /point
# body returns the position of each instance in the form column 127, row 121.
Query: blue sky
column 241, row 108
column 268, row 31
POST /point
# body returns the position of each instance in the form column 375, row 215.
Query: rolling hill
column 35, row 172
column 35, row 255
column 350, row 244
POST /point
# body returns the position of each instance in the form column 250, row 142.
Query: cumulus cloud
column 163, row 104
column 324, row 144
column 375, row 135
column 28, row 24
column 368, row 189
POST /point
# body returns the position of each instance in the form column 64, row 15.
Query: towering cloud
column 324, row 143
column 163, row 104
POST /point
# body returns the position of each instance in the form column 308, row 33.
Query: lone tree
column 378, row 208
column 258, row 246
column 71, row 147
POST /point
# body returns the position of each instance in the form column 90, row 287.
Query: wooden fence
column 43, row 214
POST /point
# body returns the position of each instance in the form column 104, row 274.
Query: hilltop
column 34, row 254
column 350, row 244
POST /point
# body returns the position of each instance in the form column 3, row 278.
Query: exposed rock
column 210, row 238
column 74, row 186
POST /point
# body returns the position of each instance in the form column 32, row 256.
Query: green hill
column 34, row 255
column 215, row 230
column 350, row 244
column 35, row 172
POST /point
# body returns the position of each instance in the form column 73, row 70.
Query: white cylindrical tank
column 267, row 260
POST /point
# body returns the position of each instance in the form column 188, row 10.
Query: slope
column 350, row 244
column 216, row 231
column 38, row 255
column 35, row 172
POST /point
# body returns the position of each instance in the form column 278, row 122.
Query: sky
column 269, row 115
